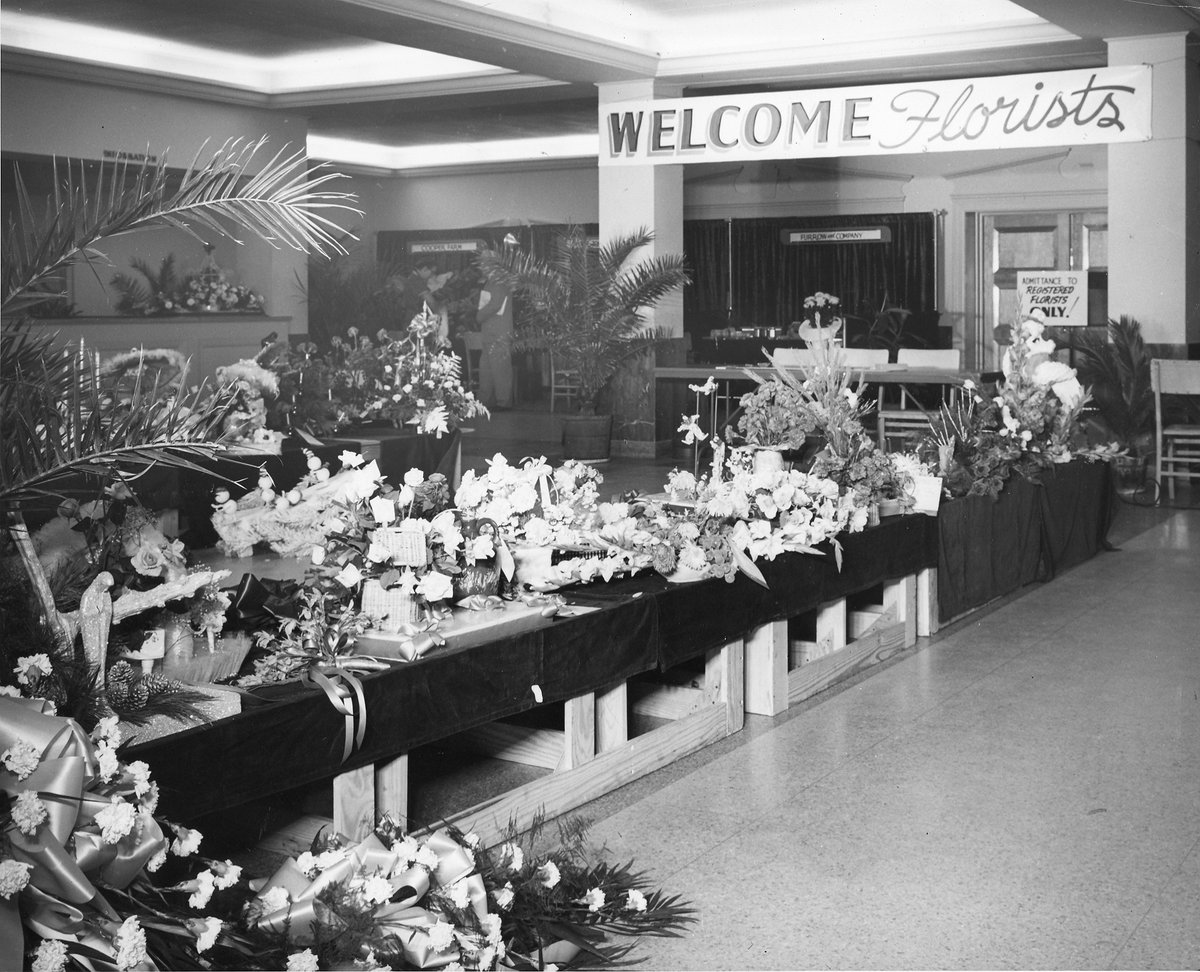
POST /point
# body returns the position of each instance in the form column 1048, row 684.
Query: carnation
column 140, row 771
column 130, row 944
column 274, row 899
column 515, row 854
column 304, row 961
column 548, row 874
column 51, row 956
column 205, row 885
column 28, row 812
column 21, row 759
column 207, row 930
column 186, row 842
column 109, row 764
column 32, row 667
column 594, row 899
column 504, row 896
column 14, row 875
column 116, row 820
column 441, row 936
column 226, row 874
column 459, row 894
column 377, row 889
column 635, row 900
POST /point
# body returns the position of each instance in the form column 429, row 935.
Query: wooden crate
column 848, row 639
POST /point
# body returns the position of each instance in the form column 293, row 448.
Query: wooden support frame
column 779, row 674
column 592, row 755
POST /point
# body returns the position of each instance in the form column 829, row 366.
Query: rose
column 149, row 561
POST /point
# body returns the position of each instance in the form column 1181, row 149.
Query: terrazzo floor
column 1020, row 791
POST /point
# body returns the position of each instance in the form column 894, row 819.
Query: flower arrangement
column 1031, row 422
column 822, row 304
column 144, row 896
column 776, row 415
column 251, row 384
column 212, row 294
column 408, row 380
column 740, row 515
column 422, row 385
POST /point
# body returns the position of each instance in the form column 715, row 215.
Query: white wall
column 51, row 117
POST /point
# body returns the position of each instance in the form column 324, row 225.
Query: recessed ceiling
column 409, row 73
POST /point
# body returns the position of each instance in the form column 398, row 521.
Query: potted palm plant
column 585, row 305
column 1117, row 369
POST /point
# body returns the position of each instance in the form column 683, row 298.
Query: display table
column 288, row 736
column 988, row 548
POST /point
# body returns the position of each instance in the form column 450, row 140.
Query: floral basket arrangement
column 821, row 322
column 1029, row 424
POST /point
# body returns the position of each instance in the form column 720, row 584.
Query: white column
column 1154, row 198
column 632, row 197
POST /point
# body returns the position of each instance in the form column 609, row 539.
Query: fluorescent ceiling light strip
column 453, row 153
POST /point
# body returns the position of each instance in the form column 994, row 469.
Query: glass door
column 1011, row 242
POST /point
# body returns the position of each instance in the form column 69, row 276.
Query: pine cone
column 118, row 696
column 121, row 673
column 157, row 684
column 139, row 695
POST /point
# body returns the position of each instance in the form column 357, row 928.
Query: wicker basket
column 389, row 608
column 407, row 547
column 211, row 666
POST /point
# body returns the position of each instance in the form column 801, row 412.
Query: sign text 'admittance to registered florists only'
column 1096, row 105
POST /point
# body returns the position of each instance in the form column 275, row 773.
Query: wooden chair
column 564, row 383
column 899, row 423
column 1177, row 446
column 472, row 351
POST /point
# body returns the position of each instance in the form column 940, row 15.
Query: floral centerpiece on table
column 1029, row 424
column 251, row 384
column 559, row 530
column 821, row 322
column 741, row 515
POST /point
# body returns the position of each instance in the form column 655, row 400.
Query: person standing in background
column 495, row 317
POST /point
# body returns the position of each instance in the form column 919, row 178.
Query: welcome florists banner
column 1095, row 105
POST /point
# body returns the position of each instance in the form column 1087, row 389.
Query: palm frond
column 283, row 203
column 61, row 420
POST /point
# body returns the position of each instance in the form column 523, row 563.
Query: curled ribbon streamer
column 343, row 690
column 481, row 602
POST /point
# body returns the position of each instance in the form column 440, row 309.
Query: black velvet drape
column 771, row 278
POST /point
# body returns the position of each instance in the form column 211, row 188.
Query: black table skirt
column 991, row 547
column 277, row 745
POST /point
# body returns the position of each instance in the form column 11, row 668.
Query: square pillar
column 1154, row 199
column 632, row 197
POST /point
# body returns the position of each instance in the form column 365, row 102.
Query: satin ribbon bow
column 548, row 604
column 345, row 694
column 481, row 602
column 418, row 638
column 257, row 601
column 67, row 852
column 403, row 917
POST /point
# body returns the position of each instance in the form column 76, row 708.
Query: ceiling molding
column 86, row 72
column 1054, row 56
column 412, row 90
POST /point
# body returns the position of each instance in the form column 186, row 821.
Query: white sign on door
column 1060, row 295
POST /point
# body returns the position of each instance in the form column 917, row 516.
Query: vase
column 687, row 575
column 768, row 461
column 477, row 579
column 873, row 514
column 890, row 507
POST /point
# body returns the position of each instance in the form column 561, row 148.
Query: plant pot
column 1129, row 474
column 890, row 507
column 587, row 437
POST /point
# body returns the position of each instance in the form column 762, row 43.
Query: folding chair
column 1177, row 446
column 564, row 383
column 900, row 423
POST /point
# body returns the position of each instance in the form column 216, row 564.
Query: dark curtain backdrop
column 772, row 278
